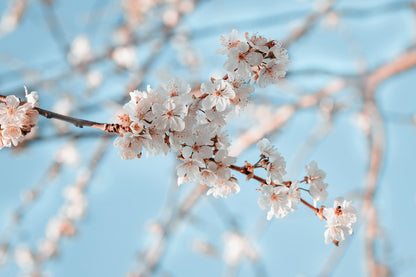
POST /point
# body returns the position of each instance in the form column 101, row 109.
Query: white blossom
column 293, row 195
column 318, row 191
column 280, row 54
column 276, row 164
column 17, row 118
column 32, row 98
column 238, row 247
column 24, row 257
column 228, row 42
column 198, row 151
column 179, row 90
column 275, row 198
column 224, row 188
column 267, row 149
column 188, row 171
column 11, row 112
column 271, row 73
column 129, row 146
column 258, row 43
column 169, row 116
column 80, row 51
column 219, row 95
column 339, row 220
column 276, row 170
column 314, row 174
column 125, row 57
column 240, row 60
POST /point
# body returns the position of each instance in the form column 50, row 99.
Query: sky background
column 126, row 197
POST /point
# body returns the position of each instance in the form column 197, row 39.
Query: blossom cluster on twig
column 173, row 117
column 191, row 122
column 281, row 197
column 17, row 118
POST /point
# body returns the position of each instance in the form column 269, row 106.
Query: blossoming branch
column 191, row 122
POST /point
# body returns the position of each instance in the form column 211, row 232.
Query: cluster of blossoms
column 282, row 197
column 175, row 118
column 255, row 59
column 172, row 117
column 339, row 220
column 17, row 118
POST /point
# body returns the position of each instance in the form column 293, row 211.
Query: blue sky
column 125, row 197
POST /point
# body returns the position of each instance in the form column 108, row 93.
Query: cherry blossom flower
column 280, row 53
column 200, row 149
column 188, row 171
column 275, row 198
column 258, row 43
column 130, row 148
column 293, row 195
column 11, row 135
column 169, row 116
column 138, row 108
column 11, row 112
column 219, row 95
column 271, row 73
column 314, row 174
column 179, row 90
column 318, row 191
column 241, row 90
column 17, row 118
column 228, row 42
column 240, row 60
column 212, row 119
column 32, row 98
column 339, row 220
column 224, row 188
column 208, row 177
column 267, row 150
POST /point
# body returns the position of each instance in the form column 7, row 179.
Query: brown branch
column 376, row 141
column 77, row 122
column 244, row 171
column 402, row 63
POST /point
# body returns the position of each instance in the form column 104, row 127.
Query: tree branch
column 77, row 122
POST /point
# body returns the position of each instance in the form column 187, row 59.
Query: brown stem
column 263, row 181
column 105, row 127
column 309, row 205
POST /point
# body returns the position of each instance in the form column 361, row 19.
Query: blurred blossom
column 238, row 247
column 80, row 51
column 94, row 79
column 125, row 57
column 69, row 155
column 24, row 257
